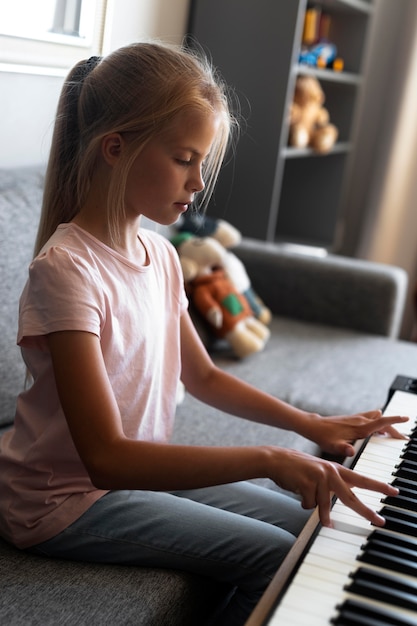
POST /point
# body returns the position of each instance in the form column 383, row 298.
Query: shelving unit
column 267, row 189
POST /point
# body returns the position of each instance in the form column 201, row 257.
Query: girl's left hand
column 334, row 434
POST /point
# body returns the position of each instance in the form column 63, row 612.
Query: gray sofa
column 333, row 349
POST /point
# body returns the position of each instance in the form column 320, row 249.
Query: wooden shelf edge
column 329, row 75
column 290, row 152
column 355, row 5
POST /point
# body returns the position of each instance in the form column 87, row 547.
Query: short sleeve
column 63, row 292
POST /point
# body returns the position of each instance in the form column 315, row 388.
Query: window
column 52, row 34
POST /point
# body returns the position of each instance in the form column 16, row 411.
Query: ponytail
column 61, row 200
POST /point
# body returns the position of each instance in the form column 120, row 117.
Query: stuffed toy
column 309, row 119
column 204, row 226
column 228, row 236
column 225, row 310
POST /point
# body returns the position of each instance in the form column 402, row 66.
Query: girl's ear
column 111, row 147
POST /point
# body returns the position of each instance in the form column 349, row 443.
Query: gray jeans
column 237, row 534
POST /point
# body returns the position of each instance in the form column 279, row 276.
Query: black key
column 390, row 552
column 356, row 613
column 410, row 464
column 407, row 470
column 409, row 453
column 406, row 487
column 401, row 502
column 386, row 588
column 401, row 521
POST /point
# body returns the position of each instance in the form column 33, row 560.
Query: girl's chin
column 181, row 207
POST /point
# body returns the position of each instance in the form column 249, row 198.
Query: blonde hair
column 139, row 89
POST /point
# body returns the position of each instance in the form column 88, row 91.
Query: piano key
column 355, row 613
column 404, row 459
column 384, row 587
column 334, row 577
column 298, row 618
column 406, row 487
column 382, row 453
column 403, row 403
column 410, row 444
column 390, row 552
column 406, row 470
column 410, row 454
column 401, row 502
column 401, row 521
column 390, row 562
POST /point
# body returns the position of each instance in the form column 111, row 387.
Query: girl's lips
column 182, row 206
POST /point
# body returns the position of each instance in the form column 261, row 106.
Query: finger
column 393, row 433
column 350, row 499
column 353, row 502
column 389, row 428
column 344, row 449
column 382, row 424
column 323, row 500
column 374, row 414
column 354, row 479
column 309, row 500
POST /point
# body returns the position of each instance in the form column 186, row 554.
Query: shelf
column 256, row 46
column 295, row 153
column 328, row 75
column 342, row 5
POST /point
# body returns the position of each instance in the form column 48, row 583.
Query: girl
column 87, row 471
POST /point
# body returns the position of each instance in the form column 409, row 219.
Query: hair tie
column 80, row 73
column 84, row 69
column 91, row 63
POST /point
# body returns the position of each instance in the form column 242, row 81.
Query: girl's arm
column 115, row 462
column 230, row 394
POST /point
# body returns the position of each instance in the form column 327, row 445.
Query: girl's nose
column 197, row 182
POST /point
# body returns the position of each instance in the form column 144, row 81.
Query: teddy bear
column 309, row 119
column 225, row 310
column 202, row 225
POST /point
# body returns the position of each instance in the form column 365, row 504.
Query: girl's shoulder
column 67, row 248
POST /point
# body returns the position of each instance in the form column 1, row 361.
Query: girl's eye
column 183, row 162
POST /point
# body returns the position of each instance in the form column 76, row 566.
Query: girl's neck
column 130, row 245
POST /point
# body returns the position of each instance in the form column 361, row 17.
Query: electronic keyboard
column 355, row 574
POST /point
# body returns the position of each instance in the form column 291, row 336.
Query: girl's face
column 168, row 172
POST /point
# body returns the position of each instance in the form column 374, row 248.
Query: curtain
column 379, row 219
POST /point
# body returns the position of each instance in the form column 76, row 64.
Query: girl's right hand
column 317, row 480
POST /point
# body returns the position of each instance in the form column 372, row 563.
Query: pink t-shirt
column 78, row 283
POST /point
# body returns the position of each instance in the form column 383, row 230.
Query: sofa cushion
column 45, row 592
column 20, row 200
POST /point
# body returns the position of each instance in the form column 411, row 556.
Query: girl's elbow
column 101, row 478
column 102, row 473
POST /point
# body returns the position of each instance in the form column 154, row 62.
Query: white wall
column 27, row 111
column 163, row 19
column 28, row 101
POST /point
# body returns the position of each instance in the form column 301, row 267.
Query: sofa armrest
column 333, row 290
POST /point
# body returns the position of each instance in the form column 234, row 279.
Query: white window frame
column 53, row 53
